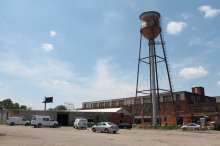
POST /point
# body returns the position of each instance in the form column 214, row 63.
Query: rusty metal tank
column 150, row 24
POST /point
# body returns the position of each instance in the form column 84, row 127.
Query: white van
column 46, row 121
column 17, row 121
column 80, row 123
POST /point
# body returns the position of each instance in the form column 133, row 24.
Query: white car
column 191, row 126
column 105, row 127
column 80, row 123
column 46, row 121
column 17, row 121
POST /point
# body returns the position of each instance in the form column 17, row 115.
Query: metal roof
column 106, row 110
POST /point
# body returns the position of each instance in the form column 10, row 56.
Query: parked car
column 17, row 121
column 124, row 126
column 107, row 127
column 191, row 126
column 80, row 123
column 39, row 121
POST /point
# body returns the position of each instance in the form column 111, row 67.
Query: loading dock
column 63, row 118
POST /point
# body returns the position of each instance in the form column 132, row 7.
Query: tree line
column 9, row 104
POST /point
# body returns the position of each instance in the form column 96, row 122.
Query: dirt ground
column 67, row 136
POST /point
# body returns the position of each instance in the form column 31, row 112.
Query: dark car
column 124, row 126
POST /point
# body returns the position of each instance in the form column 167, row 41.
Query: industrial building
column 67, row 117
column 189, row 107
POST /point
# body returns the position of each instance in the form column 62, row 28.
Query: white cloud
column 57, row 78
column 185, row 16
column 52, row 33
column 218, row 82
column 193, row 72
column 47, row 47
column 175, row 27
column 111, row 81
column 209, row 11
column 49, row 69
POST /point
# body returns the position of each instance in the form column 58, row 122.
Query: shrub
column 90, row 124
column 159, row 127
column 217, row 126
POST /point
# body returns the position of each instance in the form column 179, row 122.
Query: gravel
column 68, row 136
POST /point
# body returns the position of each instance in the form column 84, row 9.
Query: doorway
column 63, row 118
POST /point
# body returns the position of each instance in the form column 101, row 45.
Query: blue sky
column 86, row 50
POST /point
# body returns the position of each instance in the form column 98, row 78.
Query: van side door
column 46, row 121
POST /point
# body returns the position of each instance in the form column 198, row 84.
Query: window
column 178, row 107
column 45, row 119
column 177, row 97
column 101, row 104
column 114, row 103
column 33, row 118
column 94, row 105
column 146, row 100
column 193, row 99
column 128, row 101
column 138, row 101
column 166, row 98
column 107, row 104
column 121, row 102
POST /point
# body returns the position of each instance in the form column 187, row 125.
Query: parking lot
column 67, row 136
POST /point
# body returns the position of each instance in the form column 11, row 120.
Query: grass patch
column 159, row 127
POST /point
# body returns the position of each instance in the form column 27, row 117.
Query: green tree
column 23, row 107
column 16, row 106
column 60, row 107
column 1, row 106
column 7, row 104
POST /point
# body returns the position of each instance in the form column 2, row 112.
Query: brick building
column 190, row 106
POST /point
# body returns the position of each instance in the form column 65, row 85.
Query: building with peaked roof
column 67, row 117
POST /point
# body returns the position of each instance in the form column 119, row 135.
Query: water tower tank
column 150, row 24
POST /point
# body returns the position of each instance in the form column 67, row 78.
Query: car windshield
column 98, row 124
column 192, row 124
column 33, row 118
column 110, row 123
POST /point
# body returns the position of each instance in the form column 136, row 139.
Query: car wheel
column 184, row 129
column 106, row 130
column 35, row 126
column 114, row 132
column 39, row 125
column 12, row 123
column 93, row 130
column 55, row 126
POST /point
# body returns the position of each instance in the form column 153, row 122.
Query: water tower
column 150, row 29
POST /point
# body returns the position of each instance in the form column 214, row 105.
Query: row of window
column 120, row 103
